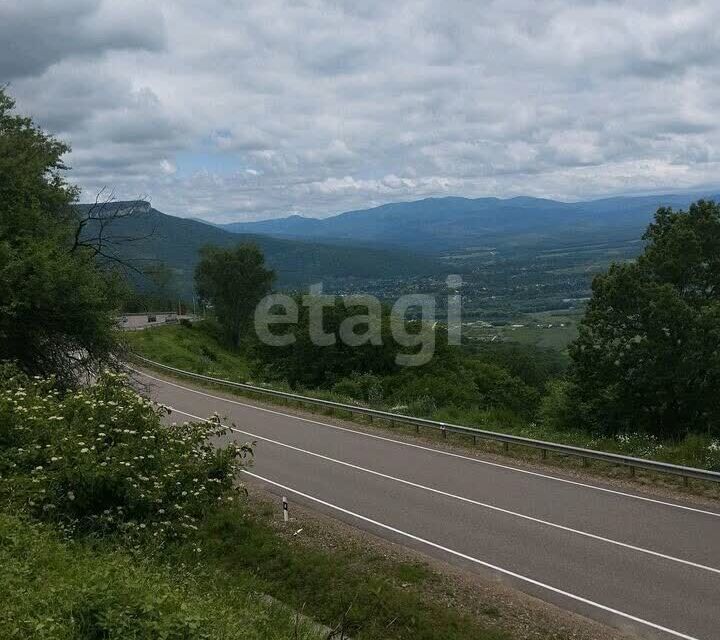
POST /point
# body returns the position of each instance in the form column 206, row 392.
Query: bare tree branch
column 98, row 219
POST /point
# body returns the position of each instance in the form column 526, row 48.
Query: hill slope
column 441, row 224
column 175, row 242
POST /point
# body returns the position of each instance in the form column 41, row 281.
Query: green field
column 546, row 329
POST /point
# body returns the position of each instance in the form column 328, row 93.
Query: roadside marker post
column 286, row 515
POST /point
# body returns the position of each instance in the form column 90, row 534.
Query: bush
column 364, row 387
column 100, row 460
column 559, row 409
column 423, row 407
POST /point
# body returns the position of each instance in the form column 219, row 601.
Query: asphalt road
column 645, row 565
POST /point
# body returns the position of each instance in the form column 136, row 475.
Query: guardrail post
column 586, row 462
column 444, row 432
column 417, row 428
column 474, row 439
column 506, row 447
column 544, row 454
column 632, row 472
column 686, row 481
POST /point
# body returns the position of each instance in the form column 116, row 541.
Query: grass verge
column 57, row 589
column 356, row 593
column 54, row 588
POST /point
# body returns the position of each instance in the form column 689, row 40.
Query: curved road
column 644, row 565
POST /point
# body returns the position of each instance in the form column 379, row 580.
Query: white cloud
column 252, row 110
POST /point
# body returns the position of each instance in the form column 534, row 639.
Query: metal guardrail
column 445, row 428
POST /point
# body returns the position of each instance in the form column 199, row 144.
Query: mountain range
column 394, row 241
column 442, row 224
column 157, row 238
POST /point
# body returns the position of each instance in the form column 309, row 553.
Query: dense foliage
column 304, row 362
column 56, row 306
column 100, row 459
column 648, row 355
column 233, row 281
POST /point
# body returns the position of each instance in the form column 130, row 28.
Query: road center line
column 464, row 556
column 462, row 498
column 430, row 449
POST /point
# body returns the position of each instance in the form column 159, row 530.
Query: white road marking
column 461, row 498
column 464, row 556
column 438, row 451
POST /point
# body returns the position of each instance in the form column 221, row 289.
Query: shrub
column 100, row 460
column 559, row 409
column 423, row 406
column 364, row 387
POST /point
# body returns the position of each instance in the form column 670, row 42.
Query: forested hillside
column 160, row 239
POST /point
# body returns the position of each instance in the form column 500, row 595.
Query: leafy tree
column 465, row 382
column 536, row 366
column 648, row 354
column 56, row 305
column 233, row 281
column 306, row 363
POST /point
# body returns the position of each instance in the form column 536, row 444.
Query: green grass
column 555, row 337
column 55, row 589
column 195, row 348
column 59, row 589
column 536, row 330
column 377, row 597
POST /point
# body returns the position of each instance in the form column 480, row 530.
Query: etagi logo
column 412, row 319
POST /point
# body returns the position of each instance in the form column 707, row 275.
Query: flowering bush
column 101, row 460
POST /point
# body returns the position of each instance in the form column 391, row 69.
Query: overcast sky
column 238, row 110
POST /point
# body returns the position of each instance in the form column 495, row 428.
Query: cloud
column 254, row 110
column 38, row 34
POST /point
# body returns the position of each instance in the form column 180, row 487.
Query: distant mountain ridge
column 441, row 224
column 175, row 242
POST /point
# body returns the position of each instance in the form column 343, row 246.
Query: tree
column 648, row 354
column 233, row 281
column 307, row 362
column 56, row 305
